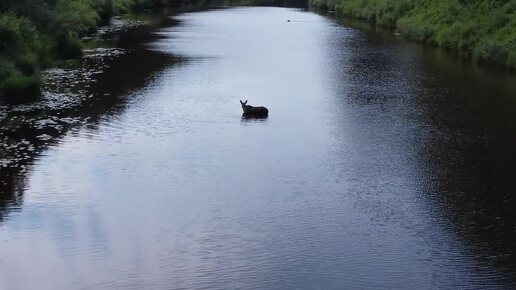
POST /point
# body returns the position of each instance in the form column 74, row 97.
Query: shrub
column 27, row 63
column 20, row 89
column 17, row 35
column 461, row 36
column 68, row 46
column 388, row 12
column 74, row 16
column 491, row 52
column 511, row 59
column 104, row 9
column 7, row 68
column 416, row 29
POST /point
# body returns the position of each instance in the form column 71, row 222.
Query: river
column 383, row 164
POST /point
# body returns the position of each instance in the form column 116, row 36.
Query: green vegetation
column 484, row 30
column 20, row 89
column 34, row 33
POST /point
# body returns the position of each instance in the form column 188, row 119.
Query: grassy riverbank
column 484, row 30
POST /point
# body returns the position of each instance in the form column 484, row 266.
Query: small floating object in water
column 288, row 20
column 253, row 112
column 397, row 33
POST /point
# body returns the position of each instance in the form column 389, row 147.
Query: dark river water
column 383, row 165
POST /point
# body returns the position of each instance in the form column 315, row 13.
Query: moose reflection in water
column 253, row 112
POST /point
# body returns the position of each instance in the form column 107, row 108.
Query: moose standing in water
column 253, row 112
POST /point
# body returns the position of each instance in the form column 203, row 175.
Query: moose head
column 243, row 104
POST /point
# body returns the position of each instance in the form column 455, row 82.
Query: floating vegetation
column 117, row 25
column 104, row 52
column 44, row 137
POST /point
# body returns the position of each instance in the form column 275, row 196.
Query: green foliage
column 491, row 52
column 20, row 89
column 69, row 46
column 17, row 35
column 482, row 29
column 104, row 9
column 22, row 48
column 75, row 16
column 7, row 68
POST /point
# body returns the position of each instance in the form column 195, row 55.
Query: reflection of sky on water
column 173, row 189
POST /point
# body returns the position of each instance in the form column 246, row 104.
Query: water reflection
column 454, row 124
column 472, row 137
column 366, row 174
column 11, row 192
column 246, row 118
column 30, row 133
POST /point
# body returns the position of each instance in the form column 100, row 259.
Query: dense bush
column 7, row 68
column 20, row 42
column 482, row 29
column 20, row 89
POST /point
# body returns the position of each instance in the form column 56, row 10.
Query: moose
column 253, row 112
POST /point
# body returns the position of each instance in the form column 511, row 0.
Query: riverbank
column 34, row 36
column 484, row 31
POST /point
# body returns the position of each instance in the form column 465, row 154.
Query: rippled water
column 382, row 165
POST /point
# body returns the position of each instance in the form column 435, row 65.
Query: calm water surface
column 382, row 165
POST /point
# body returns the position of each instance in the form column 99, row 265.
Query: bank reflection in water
column 471, row 156
column 452, row 124
column 110, row 91
column 11, row 192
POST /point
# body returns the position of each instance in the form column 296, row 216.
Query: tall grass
column 484, row 30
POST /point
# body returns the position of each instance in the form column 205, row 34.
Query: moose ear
column 241, row 102
column 245, row 102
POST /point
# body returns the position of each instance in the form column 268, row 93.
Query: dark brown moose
column 253, row 112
